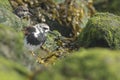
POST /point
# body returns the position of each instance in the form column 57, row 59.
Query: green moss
column 11, row 41
column 12, row 71
column 102, row 30
column 91, row 64
column 12, row 48
column 109, row 6
column 8, row 18
column 5, row 4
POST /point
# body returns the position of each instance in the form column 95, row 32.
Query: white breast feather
column 38, row 30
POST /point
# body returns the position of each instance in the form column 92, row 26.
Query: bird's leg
column 40, row 60
column 33, row 54
column 43, row 48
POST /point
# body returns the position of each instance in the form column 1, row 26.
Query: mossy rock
column 102, row 30
column 85, row 65
column 8, row 18
column 11, row 42
column 12, row 71
column 12, row 48
column 109, row 6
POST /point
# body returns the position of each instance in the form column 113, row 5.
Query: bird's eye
column 45, row 28
column 25, row 10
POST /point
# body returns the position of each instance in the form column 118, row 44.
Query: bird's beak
column 51, row 32
column 30, row 14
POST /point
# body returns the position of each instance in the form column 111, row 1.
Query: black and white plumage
column 35, row 36
column 22, row 12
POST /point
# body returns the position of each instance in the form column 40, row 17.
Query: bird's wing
column 41, row 37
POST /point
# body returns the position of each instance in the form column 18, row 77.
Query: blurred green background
column 85, row 63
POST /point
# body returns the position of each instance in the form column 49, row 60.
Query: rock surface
column 102, row 30
column 8, row 18
column 92, row 64
column 12, row 71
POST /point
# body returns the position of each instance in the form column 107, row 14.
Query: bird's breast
column 31, row 47
column 31, row 39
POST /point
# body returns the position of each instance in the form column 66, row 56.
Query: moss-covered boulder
column 102, row 30
column 92, row 64
column 12, row 48
column 8, row 18
column 108, row 5
column 12, row 71
column 11, row 42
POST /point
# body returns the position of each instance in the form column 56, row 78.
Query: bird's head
column 42, row 28
column 37, row 29
column 22, row 12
